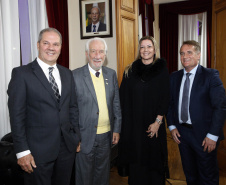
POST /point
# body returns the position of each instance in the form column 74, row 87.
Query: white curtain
column 188, row 30
column 10, row 46
column 9, row 55
column 203, row 59
column 140, row 31
column 38, row 21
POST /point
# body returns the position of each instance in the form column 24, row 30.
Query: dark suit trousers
column 94, row 168
column 57, row 172
column 200, row 167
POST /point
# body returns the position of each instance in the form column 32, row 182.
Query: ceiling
column 166, row 1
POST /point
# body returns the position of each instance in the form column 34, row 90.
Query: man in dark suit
column 43, row 115
column 99, row 115
column 96, row 25
column 196, row 116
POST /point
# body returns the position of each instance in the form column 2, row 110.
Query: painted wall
column 77, row 46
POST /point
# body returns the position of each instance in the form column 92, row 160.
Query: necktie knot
column 97, row 74
column 188, row 74
column 51, row 69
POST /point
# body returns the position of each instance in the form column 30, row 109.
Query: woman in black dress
column 144, row 95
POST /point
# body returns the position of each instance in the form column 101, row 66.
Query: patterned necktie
column 54, row 84
column 184, row 105
column 97, row 74
column 94, row 28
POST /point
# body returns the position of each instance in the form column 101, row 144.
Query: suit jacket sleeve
column 116, row 107
column 164, row 91
column 172, row 106
column 18, row 109
column 217, row 97
column 74, row 111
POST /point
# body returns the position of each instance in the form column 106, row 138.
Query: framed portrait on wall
column 95, row 18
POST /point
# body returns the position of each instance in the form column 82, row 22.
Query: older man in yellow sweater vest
column 99, row 115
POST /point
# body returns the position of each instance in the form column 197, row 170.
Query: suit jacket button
column 97, row 113
column 95, row 126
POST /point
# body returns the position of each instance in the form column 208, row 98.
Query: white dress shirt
column 56, row 75
column 93, row 71
column 191, row 77
column 97, row 26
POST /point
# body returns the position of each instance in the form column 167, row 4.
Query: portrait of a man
column 96, row 19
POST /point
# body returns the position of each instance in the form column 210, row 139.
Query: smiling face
column 49, row 47
column 95, row 15
column 147, row 51
column 96, row 54
column 189, row 57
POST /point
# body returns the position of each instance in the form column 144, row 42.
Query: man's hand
column 175, row 134
column 78, row 147
column 27, row 163
column 115, row 138
column 208, row 144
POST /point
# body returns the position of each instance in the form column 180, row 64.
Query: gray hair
column 49, row 30
column 96, row 39
column 192, row 43
column 95, row 7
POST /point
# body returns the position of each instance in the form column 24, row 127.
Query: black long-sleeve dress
column 144, row 94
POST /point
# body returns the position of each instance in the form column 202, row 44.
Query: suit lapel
column 195, row 82
column 178, row 84
column 41, row 76
column 64, row 84
column 89, row 82
column 106, row 84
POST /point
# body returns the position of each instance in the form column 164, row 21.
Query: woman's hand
column 153, row 129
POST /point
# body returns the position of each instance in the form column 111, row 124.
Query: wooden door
column 127, row 33
column 219, row 62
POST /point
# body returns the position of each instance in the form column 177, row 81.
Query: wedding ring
column 151, row 133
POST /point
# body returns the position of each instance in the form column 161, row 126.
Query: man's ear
column 38, row 45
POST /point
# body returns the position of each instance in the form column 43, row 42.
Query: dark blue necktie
column 185, row 97
column 94, row 28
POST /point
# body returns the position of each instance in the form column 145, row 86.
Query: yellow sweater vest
column 103, row 121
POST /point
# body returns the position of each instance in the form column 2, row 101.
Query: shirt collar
column 97, row 24
column 93, row 71
column 45, row 66
column 193, row 71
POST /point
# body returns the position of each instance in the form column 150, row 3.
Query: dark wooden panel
column 219, row 63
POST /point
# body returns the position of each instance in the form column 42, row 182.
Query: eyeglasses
column 100, row 52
